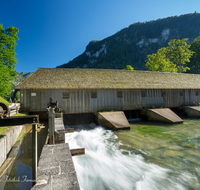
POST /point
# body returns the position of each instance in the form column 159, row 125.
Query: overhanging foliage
column 8, row 60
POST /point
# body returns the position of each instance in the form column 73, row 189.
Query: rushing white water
column 106, row 167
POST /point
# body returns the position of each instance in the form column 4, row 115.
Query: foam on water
column 106, row 167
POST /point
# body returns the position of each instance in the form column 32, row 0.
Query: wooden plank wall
column 39, row 102
column 80, row 101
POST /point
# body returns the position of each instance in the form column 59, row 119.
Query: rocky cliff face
column 131, row 45
column 19, row 78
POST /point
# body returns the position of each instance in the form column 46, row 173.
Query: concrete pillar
column 59, row 128
column 51, row 125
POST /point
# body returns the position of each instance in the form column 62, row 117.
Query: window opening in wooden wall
column 65, row 95
column 163, row 94
column 119, row 94
column 196, row 93
column 93, row 94
column 143, row 94
column 181, row 93
column 33, row 93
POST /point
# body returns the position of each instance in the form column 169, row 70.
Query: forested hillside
column 131, row 45
column 19, row 78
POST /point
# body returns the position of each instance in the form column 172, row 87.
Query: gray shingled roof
column 54, row 78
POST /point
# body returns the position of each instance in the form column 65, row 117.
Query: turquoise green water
column 151, row 156
column 171, row 146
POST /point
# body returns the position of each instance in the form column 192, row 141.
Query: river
column 151, row 156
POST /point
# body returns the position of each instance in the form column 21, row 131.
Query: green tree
column 160, row 62
column 5, row 80
column 128, row 67
column 194, row 63
column 8, row 60
column 172, row 58
column 179, row 53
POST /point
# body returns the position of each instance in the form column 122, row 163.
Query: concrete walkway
column 56, row 169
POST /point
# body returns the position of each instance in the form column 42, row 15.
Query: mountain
column 20, row 77
column 131, row 45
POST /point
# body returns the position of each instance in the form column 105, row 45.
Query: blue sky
column 53, row 32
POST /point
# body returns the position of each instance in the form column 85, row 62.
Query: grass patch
column 105, row 110
column 3, row 130
column 5, row 101
column 19, row 114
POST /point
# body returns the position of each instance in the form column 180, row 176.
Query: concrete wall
column 8, row 141
column 81, row 101
column 163, row 115
column 192, row 111
column 59, row 129
column 115, row 120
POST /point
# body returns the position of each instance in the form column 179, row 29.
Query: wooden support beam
column 19, row 120
column 77, row 152
column 47, row 139
column 69, row 130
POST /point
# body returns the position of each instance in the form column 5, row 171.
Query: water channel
column 18, row 176
column 151, row 156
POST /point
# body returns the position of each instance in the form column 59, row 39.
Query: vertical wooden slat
column 77, row 102
column 86, row 101
column 72, row 99
column 80, row 100
column 89, row 101
column 83, row 101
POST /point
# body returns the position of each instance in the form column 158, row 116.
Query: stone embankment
column 7, row 141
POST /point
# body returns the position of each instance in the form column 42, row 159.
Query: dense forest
column 131, row 45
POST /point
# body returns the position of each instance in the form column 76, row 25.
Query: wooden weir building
column 81, row 91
